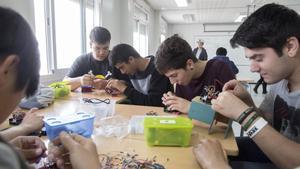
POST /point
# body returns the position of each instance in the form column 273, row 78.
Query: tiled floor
column 257, row 98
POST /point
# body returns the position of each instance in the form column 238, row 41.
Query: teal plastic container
column 168, row 131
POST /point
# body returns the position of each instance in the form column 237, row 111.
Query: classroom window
column 62, row 28
column 89, row 18
column 40, row 31
column 67, row 31
column 140, row 32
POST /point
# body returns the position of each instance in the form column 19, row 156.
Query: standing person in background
column 200, row 51
column 222, row 56
column 264, row 85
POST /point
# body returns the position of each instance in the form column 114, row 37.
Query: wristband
column 256, row 127
column 245, row 114
column 250, row 121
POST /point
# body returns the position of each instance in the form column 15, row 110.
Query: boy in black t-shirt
column 146, row 84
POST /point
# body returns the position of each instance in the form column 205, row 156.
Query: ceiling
column 212, row 11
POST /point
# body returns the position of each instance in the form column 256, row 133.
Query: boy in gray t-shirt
column 285, row 106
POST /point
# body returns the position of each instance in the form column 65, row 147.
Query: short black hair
column 173, row 53
column 221, row 51
column 100, row 35
column 269, row 26
column 121, row 53
column 18, row 39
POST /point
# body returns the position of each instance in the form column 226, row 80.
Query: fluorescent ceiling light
column 240, row 18
column 181, row 3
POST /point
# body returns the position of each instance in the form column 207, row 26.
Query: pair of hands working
column 115, row 85
column 231, row 103
column 67, row 151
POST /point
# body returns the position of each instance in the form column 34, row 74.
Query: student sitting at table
column 147, row 85
column 30, row 123
column 96, row 62
column 272, row 45
column 192, row 77
column 19, row 77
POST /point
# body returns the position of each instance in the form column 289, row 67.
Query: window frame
column 137, row 19
column 54, row 73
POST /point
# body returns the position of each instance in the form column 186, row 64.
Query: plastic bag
column 115, row 126
column 100, row 108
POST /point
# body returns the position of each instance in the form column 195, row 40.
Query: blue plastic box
column 80, row 123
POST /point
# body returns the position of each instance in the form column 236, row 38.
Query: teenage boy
column 19, row 77
column 192, row 77
column 271, row 39
column 94, row 63
column 147, row 85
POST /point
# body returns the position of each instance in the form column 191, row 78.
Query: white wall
column 117, row 16
column 213, row 40
column 25, row 8
column 111, row 19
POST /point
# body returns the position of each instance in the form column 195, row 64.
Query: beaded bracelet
column 250, row 121
column 245, row 114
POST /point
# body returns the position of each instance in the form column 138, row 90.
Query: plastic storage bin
column 167, row 131
column 80, row 123
column 61, row 89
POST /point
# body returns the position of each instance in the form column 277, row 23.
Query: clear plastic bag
column 100, row 108
column 115, row 126
column 136, row 125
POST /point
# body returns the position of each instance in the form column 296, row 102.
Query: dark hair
column 121, row 53
column 173, row 53
column 269, row 26
column 221, row 51
column 18, row 39
column 100, row 35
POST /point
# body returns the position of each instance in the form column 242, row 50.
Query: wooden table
column 170, row 157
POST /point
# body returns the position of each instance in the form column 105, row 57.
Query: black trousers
column 250, row 156
column 258, row 83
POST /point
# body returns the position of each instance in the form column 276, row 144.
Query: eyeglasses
column 95, row 100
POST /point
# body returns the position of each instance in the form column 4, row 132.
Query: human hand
column 31, row 122
column 100, row 83
column 210, row 154
column 74, row 151
column 116, row 84
column 229, row 105
column 238, row 89
column 31, row 147
column 87, row 80
column 175, row 103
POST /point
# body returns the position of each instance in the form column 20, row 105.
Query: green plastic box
column 167, row 131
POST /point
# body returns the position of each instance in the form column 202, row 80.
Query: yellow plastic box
column 167, row 131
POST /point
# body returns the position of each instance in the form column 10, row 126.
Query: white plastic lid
column 61, row 120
